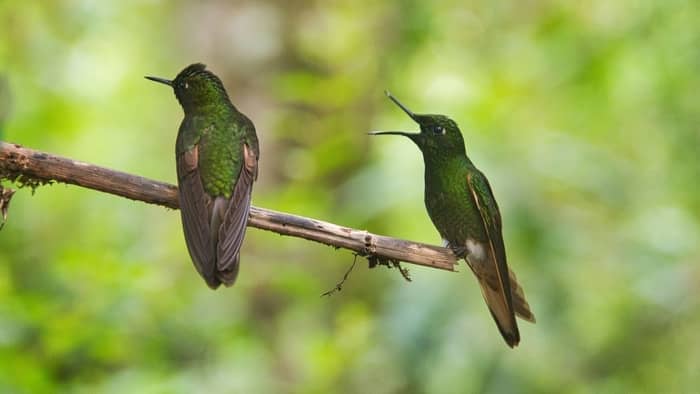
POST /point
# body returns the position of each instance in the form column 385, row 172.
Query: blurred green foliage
column 585, row 116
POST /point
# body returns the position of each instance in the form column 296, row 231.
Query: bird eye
column 439, row 130
column 186, row 85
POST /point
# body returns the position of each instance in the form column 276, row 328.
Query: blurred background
column 585, row 117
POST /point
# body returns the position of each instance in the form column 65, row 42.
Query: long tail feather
column 500, row 312
column 522, row 308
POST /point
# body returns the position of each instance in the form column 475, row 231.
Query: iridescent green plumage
column 217, row 161
column 460, row 203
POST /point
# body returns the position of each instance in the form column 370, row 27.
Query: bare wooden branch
column 31, row 167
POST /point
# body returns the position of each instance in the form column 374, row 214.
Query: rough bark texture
column 33, row 168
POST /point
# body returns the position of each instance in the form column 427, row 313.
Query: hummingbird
column 462, row 207
column 217, row 162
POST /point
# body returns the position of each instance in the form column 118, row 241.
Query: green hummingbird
column 217, row 162
column 462, row 207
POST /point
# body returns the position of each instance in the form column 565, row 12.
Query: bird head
column 438, row 134
column 195, row 87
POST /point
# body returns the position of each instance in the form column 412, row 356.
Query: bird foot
column 459, row 251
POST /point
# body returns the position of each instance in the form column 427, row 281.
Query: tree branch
column 28, row 167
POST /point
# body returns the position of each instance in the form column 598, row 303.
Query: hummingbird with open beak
column 462, row 207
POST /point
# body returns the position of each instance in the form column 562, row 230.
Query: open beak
column 160, row 80
column 403, row 107
column 407, row 111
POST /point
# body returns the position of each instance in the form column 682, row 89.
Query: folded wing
column 235, row 220
column 195, row 209
column 497, row 293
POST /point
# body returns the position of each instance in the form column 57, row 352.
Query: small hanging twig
column 5, row 197
column 340, row 284
column 389, row 263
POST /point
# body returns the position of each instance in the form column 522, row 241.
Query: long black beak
column 160, row 80
column 403, row 133
column 407, row 111
column 403, row 107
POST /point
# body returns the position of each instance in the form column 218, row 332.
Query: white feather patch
column 475, row 250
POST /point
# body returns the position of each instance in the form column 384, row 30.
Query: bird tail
column 503, row 316
column 522, row 308
column 498, row 306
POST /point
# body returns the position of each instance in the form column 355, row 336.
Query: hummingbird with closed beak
column 217, row 162
column 462, row 207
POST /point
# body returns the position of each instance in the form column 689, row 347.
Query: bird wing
column 195, row 209
column 497, row 293
column 235, row 219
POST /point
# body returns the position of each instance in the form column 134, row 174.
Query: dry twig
column 28, row 167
